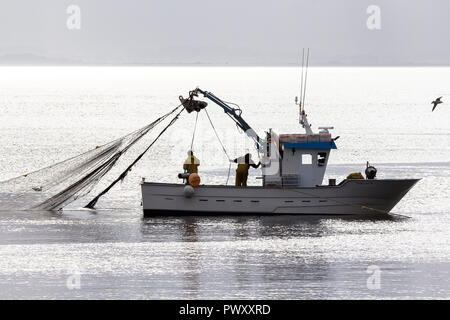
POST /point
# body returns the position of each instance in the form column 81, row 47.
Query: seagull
column 436, row 102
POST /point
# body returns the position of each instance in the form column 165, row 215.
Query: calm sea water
column 382, row 115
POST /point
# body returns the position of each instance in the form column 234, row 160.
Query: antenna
column 306, row 78
column 297, row 101
column 301, row 83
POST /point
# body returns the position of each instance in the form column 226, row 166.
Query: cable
column 223, row 147
column 193, row 134
column 212, row 125
column 234, row 104
column 228, row 176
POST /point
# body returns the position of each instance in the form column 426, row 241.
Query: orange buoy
column 194, row 179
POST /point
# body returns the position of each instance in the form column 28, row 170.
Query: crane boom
column 233, row 113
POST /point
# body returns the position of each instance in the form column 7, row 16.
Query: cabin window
column 306, row 158
column 322, row 156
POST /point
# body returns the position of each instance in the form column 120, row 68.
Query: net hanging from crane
column 56, row 186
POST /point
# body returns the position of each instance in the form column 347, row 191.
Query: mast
column 301, row 103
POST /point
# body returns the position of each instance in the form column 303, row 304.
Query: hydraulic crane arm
column 233, row 113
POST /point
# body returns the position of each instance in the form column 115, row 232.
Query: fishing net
column 56, row 186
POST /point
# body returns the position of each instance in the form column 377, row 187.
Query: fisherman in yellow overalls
column 244, row 163
column 191, row 164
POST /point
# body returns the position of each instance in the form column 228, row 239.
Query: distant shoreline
column 162, row 65
column 28, row 59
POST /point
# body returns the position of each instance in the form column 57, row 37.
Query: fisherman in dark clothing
column 244, row 163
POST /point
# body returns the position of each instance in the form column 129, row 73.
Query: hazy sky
column 226, row 32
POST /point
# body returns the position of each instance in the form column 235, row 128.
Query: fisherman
column 244, row 163
column 191, row 164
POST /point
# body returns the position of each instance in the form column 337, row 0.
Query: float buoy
column 188, row 191
column 194, row 180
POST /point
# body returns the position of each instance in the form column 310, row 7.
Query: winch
column 370, row 172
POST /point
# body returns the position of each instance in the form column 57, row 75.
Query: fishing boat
column 293, row 169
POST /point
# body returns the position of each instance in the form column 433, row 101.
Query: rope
column 228, row 176
column 223, row 147
column 212, row 125
column 122, row 176
column 193, row 134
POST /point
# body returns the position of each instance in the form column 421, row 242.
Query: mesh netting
column 56, row 186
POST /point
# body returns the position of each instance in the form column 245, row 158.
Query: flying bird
column 435, row 103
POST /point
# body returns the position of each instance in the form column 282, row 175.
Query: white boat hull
column 351, row 197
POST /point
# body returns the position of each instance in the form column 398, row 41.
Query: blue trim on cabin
column 311, row 145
